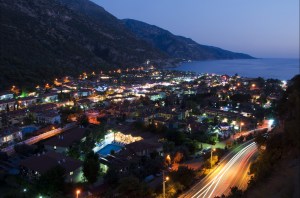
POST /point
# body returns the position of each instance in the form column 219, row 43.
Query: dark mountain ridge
column 41, row 40
column 178, row 46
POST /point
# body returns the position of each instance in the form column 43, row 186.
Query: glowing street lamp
column 212, row 150
column 77, row 193
column 13, row 88
column 168, row 158
column 165, row 179
column 241, row 124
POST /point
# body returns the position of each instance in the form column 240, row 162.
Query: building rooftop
column 44, row 162
column 67, row 138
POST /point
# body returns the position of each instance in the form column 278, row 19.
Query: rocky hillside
column 43, row 39
column 178, row 46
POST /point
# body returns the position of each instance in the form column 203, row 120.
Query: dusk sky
column 261, row 28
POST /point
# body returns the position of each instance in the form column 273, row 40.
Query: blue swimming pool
column 28, row 129
column 108, row 148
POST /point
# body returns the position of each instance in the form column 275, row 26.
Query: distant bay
column 283, row 69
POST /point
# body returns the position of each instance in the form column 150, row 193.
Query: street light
column 168, row 159
column 165, row 179
column 77, row 193
column 212, row 150
column 241, row 124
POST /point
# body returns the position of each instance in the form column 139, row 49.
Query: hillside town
column 118, row 127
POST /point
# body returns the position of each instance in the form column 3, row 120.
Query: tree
column 52, row 181
column 87, row 146
column 3, row 156
column 74, row 151
column 176, row 136
column 7, row 108
column 154, row 155
column 172, row 189
column 152, row 166
column 178, row 157
column 83, row 120
column 235, row 192
column 183, row 175
column 241, row 98
column 64, row 97
column 260, row 139
column 24, row 149
column 168, row 146
column 240, row 139
column 97, row 132
column 132, row 187
column 29, row 119
column 213, row 139
column 249, row 137
column 112, row 176
column 192, row 145
column 91, row 167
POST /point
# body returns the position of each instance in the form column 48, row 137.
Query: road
column 231, row 171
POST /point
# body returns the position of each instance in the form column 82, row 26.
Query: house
column 157, row 96
column 63, row 141
column 146, row 118
column 84, row 93
column 92, row 116
column 33, row 167
column 6, row 95
column 7, row 104
column 10, row 134
column 49, row 97
column 85, row 103
column 43, row 107
column 48, row 117
column 27, row 101
column 160, row 121
column 144, row 147
column 16, row 117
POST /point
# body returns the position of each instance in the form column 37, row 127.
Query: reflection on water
column 283, row 69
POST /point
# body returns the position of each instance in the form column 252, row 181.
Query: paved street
column 232, row 171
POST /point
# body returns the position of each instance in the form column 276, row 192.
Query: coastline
column 267, row 68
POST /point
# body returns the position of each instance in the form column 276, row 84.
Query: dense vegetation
column 276, row 168
column 283, row 144
column 279, row 152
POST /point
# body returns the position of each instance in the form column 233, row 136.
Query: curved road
column 231, row 171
